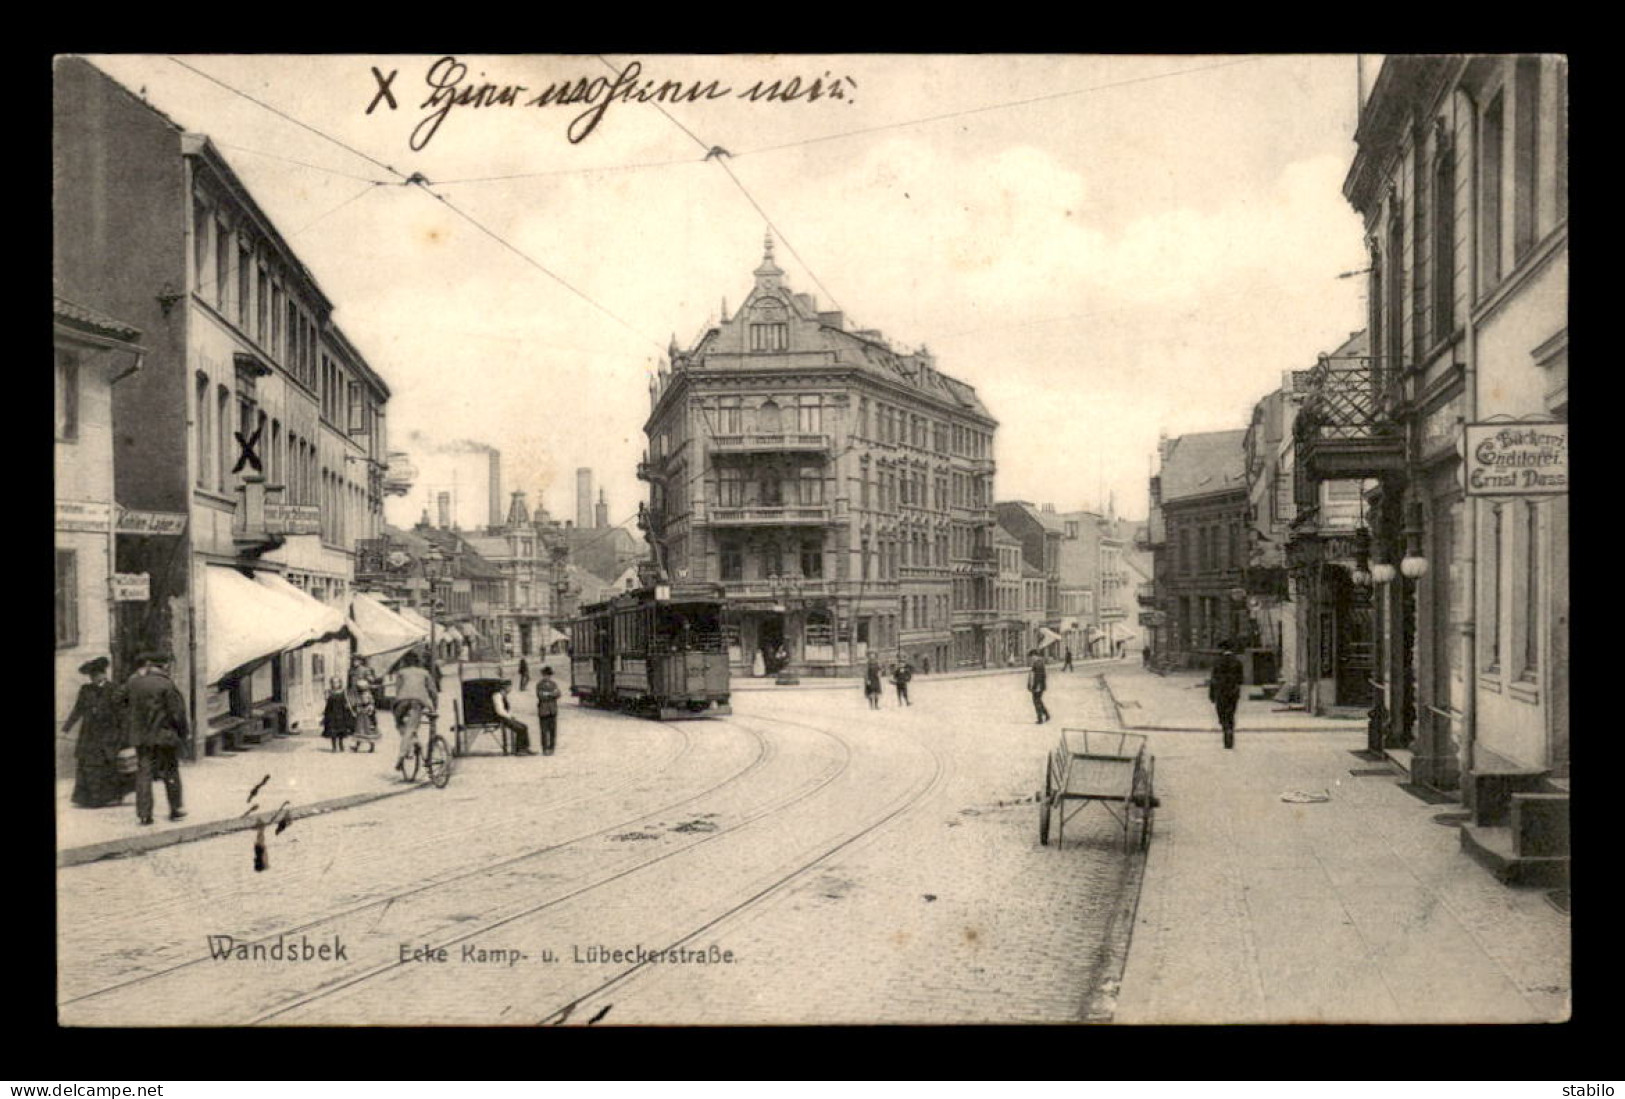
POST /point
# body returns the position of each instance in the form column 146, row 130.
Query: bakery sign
column 1516, row 459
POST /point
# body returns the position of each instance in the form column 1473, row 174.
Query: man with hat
column 520, row 731
column 156, row 727
column 1224, row 690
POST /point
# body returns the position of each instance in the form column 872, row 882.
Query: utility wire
column 572, row 171
column 365, row 190
column 291, row 160
column 993, row 107
column 284, row 115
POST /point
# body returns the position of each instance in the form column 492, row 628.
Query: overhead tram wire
column 301, row 163
column 991, row 107
column 720, row 159
column 371, row 186
column 418, row 179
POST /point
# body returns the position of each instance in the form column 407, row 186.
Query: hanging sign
column 1516, row 459
column 150, row 522
column 131, row 587
column 86, row 515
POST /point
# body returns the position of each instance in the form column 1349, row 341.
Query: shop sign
column 85, row 515
column 293, row 518
column 131, row 587
column 1517, row 459
column 150, row 522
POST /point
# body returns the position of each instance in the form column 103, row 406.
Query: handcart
column 474, row 715
column 1111, row 768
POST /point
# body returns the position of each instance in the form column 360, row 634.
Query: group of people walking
column 130, row 735
column 902, row 673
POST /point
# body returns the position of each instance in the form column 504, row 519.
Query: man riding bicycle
column 415, row 694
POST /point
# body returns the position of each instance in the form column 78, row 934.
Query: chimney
column 495, row 486
column 601, row 512
column 443, row 503
column 583, row 498
column 833, row 319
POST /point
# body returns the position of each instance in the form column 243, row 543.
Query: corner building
column 841, row 491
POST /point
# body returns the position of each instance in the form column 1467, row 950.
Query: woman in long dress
column 338, row 719
column 362, row 697
column 97, row 779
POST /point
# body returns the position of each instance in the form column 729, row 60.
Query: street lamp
column 435, row 564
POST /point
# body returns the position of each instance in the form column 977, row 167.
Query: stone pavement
column 301, row 770
column 1178, row 702
column 1361, row 908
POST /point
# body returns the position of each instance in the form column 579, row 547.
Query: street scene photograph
column 800, row 539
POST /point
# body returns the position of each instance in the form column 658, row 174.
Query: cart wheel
column 439, row 762
column 1043, row 822
column 411, row 764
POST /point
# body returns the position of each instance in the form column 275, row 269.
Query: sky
column 1107, row 248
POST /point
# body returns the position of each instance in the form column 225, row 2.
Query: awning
column 248, row 620
column 554, row 637
column 414, row 618
column 447, row 633
column 381, row 635
column 1047, row 637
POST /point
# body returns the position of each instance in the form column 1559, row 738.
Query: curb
column 829, row 683
column 1126, row 724
column 140, row 844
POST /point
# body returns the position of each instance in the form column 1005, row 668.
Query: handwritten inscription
column 451, row 86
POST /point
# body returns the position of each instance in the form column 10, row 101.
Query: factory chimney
column 495, row 486
column 583, row 498
column 443, row 503
column 601, row 513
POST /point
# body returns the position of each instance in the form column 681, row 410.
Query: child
column 338, row 719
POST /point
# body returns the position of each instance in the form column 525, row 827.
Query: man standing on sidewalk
column 1224, row 691
column 547, row 710
column 1038, row 683
column 157, row 729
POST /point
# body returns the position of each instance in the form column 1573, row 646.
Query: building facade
column 1459, row 416
column 1041, row 533
column 839, row 490
column 1199, row 515
column 253, row 438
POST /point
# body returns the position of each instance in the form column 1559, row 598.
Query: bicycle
column 435, row 758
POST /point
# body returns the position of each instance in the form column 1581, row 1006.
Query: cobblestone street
column 855, row 866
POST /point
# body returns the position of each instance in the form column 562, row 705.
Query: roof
column 1029, row 572
column 89, row 320
column 1002, row 536
column 1202, row 464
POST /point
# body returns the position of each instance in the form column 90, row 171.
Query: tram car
column 657, row 650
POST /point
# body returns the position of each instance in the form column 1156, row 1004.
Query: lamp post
column 434, row 571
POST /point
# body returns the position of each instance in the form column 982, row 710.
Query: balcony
column 1146, row 594
column 975, row 617
column 798, row 515
column 788, row 442
column 1343, row 430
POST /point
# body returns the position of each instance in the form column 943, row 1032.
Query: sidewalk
column 300, row 770
column 1362, row 908
column 768, row 683
column 1178, row 702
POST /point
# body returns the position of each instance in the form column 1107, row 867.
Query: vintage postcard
column 609, row 540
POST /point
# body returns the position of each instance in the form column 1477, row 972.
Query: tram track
column 763, row 755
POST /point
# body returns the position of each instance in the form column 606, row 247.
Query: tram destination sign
column 1516, row 459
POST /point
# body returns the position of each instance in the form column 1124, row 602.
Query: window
column 222, row 266
column 1492, row 594
column 812, row 486
column 732, row 422
column 200, row 244
column 1489, row 197
column 812, row 415
column 67, row 396
column 768, row 418
column 773, row 559
column 1531, row 590
column 1444, row 245
column 262, row 309
column 769, row 337
column 222, row 408
column 67, row 598
column 294, row 337
column 863, row 417
column 865, row 558
column 1420, row 241
column 273, row 454
column 1525, row 155
column 812, row 561
column 245, row 265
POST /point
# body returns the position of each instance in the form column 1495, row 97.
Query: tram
column 657, row 650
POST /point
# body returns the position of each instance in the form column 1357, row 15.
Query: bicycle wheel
column 409, row 766
column 439, row 762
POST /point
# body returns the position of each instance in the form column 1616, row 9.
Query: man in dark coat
column 902, row 672
column 1224, row 691
column 157, row 727
column 1038, row 683
column 547, row 710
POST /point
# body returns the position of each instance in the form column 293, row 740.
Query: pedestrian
column 520, row 731
column 1067, row 667
column 1122, row 649
column 362, row 695
column 1145, row 655
column 415, row 694
column 871, row 682
column 98, row 779
column 547, row 709
column 156, row 727
column 1037, row 684
column 900, row 676
column 1224, row 690
column 524, row 674
column 338, row 715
